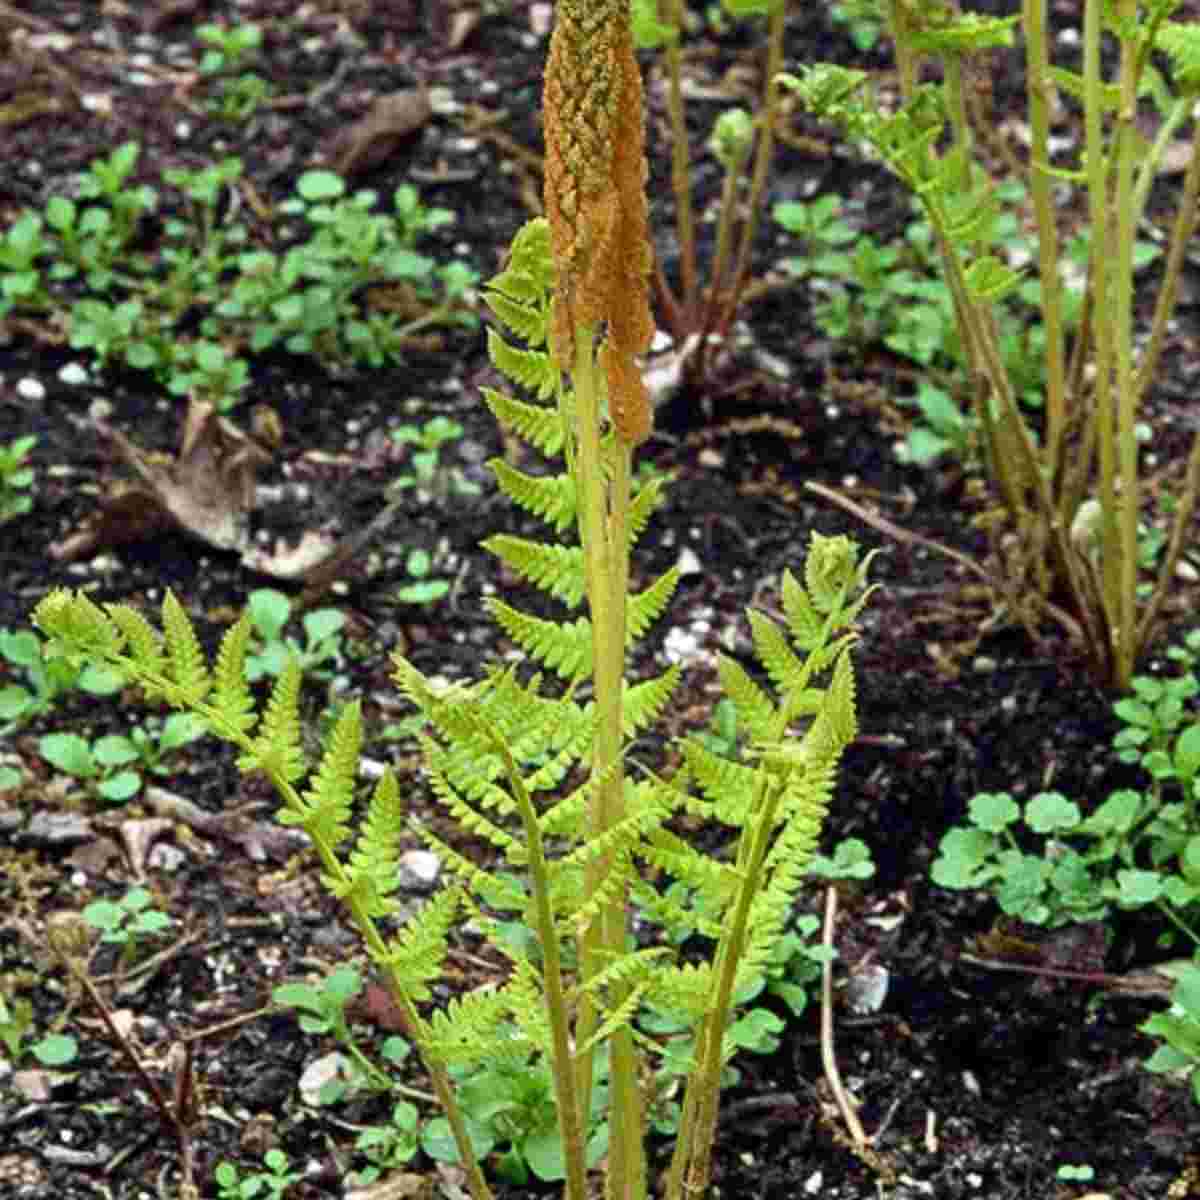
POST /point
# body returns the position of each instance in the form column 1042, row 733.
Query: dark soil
column 973, row 1082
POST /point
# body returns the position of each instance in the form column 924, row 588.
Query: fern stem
column 603, row 501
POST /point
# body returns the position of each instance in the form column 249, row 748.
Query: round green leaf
column 320, row 185
column 120, row 787
column 993, row 811
column 1049, row 812
column 68, row 752
column 55, row 1050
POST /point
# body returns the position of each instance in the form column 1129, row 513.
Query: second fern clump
column 501, row 757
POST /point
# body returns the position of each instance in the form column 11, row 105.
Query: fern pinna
column 511, row 759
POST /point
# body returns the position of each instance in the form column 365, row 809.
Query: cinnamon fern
column 510, row 760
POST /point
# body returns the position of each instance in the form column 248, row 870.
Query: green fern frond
column 372, row 871
column 964, row 33
column 536, row 424
column 323, row 809
column 685, row 990
column 188, row 665
column 231, row 690
column 534, row 370
column 755, row 711
column 527, row 997
column 528, row 275
column 662, row 909
column 142, row 643
column 78, row 626
column 565, row 648
column 642, row 505
column 557, row 570
column 648, row 605
column 620, row 1017
column 566, row 816
column 464, row 1033
column 805, row 624
column 728, row 784
column 524, row 319
column 643, row 703
column 277, row 748
column 469, row 818
column 1181, row 44
column 770, row 646
column 550, row 497
column 417, row 953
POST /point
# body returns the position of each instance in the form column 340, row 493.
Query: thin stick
column 828, row 1059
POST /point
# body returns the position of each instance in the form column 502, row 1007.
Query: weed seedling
column 16, row 478
column 16, row 1025
column 272, row 1182
column 126, row 922
column 270, row 612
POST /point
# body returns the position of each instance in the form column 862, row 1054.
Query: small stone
column 57, row 829
column 419, row 870
column 688, row 563
column 31, row 389
column 73, row 373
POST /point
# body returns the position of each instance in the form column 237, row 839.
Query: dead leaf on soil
column 206, row 491
column 167, row 12
column 392, row 120
column 403, row 1185
column 292, row 562
column 139, row 836
column 462, row 24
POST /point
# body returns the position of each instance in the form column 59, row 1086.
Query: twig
column 828, row 1059
column 1064, row 618
column 173, row 1112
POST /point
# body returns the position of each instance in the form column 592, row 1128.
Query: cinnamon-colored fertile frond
column 595, row 195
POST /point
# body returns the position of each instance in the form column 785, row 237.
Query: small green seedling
column 16, row 1024
column 271, row 1182
column 103, row 766
column 42, row 680
column 127, row 922
column 322, row 1011
column 1179, row 1028
column 431, row 479
column 16, row 478
column 270, row 611
column 422, row 591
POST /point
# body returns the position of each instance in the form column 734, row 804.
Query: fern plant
column 500, row 755
column 534, row 758
column 1069, row 486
